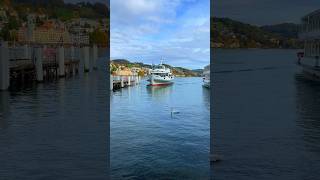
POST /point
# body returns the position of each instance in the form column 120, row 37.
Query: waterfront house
column 50, row 31
column 310, row 35
column 123, row 71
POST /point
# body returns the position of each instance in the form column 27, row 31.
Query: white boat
column 206, row 78
column 160, row 76
column 308, row 59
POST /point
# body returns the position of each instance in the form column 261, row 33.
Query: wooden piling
column 4, row 66
column 38, row 63
column 95, row 56
column 61, row 61
column 111, row 82
column 27, row 52
column 86, row 56
column 122, row 81
column 129, row 80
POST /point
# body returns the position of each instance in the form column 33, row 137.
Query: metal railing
column 315, row 34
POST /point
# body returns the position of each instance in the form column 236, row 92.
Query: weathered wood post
column 81, row 57
column 129, row 80
column 111, row 82
column 61, row 61
column 122, row 81
column 72, row 52
column 4, row 66
column 73, row 56
column 95, row 56
column 27, row 54
column 86, row 56
column 38, row 62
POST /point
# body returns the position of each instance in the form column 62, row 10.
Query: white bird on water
column 173, row 111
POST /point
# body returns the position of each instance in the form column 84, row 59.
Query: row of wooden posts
column 117, row 82
column 66, row 61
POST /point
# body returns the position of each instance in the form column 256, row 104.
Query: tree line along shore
column 228, row 33
column 125, row 67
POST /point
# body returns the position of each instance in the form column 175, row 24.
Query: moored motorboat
column 206, row 78
column 160, row 76
column 308, row 59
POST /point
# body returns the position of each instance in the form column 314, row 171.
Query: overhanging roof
column 314, row 13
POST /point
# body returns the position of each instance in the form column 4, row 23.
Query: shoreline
column 257, row 48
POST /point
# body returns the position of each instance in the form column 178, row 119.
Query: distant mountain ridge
column 228, row 33
column 59, row 8
column 288, row 30
column 177, row 71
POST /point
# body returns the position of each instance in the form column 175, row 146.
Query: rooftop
column 312, row 14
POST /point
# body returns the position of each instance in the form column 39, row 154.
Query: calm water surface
column 147, row 142
column 55, row 130
column 267, row 117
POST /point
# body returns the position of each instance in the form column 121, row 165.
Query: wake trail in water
column 246, row 70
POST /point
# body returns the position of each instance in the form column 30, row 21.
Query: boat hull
column 309, row 70
column 206, row 84
column 206, row 78
column 159, row 82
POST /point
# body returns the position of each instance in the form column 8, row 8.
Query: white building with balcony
column 310, row 34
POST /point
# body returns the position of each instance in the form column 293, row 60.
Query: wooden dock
column 42, row 63
column 118, row 82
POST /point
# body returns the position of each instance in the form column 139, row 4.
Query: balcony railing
column 315, row 34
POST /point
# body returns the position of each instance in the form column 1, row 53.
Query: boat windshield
column 161, row 74
column 159, row 67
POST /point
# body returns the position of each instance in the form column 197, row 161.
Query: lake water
column 56, row 130
column 266, row 114
column 267, row 117
column 147, row 142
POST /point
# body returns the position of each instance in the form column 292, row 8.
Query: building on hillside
column 82, row 25
column 51, row 32
column 80, row 29
column 123, row 71
column 135, row 70
column 105, row 25
column 82, row 38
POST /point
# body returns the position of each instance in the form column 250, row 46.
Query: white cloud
column 140, row 6
column 147, row 30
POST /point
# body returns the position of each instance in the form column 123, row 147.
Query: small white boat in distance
column 160, row 76
column 206, row 78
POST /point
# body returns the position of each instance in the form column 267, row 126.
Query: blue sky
column 177, row 31
column 264, row 12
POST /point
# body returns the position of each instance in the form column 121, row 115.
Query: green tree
column 99, row 37
column 141, row 73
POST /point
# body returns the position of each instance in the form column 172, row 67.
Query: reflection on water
column 266, row 117
column 4, row 108
column 56, row 130
column 206, row 97
column 159, row 91
column 308, row 109
column 149, row 142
